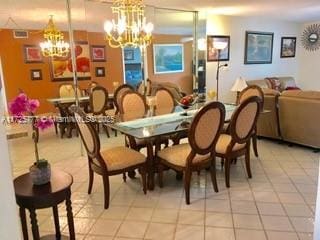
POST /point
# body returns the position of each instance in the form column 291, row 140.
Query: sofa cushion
column 268, row 91
column 274, row 83
column 302, row 94
column 261, row 83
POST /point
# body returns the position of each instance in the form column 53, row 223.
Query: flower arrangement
column 23, row 109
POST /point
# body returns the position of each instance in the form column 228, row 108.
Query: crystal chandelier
column 54, row 46
column 130, row 28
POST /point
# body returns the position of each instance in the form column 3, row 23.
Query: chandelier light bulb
column 108, row 26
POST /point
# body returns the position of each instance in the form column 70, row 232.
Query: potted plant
column 23, row 109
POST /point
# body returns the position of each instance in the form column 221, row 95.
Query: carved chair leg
column 222, row 163
column 227, row 172
column 213, row 175
column 91, row 177
column 247, row 158
column 124, row 177
column 160, row 174
column 143, row 172
column 106, row 186
column 107, row 131
column 255, row 144
column 187, row 180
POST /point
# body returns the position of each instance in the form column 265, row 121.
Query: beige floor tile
column 277, row 223
column 218, row 205
column 298, row 210
column 219, row 219
column 303, row 224
column 160, row 231
column 274, row 209
column 105, row 227
column 139, row 214
column 245, row 195
column 305, row 236
column 284, row 187
column 90, row 211
column 132, row 229
column 165, row 202
column 115, row 212
column 145, row 201
column 189, row 232
column 247, row 221
column 195, row 204
column 92, row 237
column 219, row 233
column 191, row 217
column 81, row 225
column 291, row 198
column 282, row 235
column 270, row 197
column 165, row 215
column 245, row 207
column 244, row 234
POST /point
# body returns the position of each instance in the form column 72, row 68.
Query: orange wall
column 183, row 79
column 17, row 73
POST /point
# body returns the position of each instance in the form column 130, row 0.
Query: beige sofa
column 292, row 116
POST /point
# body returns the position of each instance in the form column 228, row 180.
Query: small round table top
column 59, row 181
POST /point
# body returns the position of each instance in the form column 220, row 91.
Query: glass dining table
column 149, row 129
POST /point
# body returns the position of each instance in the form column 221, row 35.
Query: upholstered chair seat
column 223, row 143
column 121, row 157
column 178, row 154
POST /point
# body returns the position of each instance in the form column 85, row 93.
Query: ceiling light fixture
column 54, row 45
column 129, row 28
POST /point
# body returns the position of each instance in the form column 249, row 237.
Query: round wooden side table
column 31, row 197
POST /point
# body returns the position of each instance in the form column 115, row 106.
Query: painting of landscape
column 168, row 58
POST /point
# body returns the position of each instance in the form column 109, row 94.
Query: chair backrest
column 140, row 87
column 98, row 100
column 164, row 101
column 132, row 106
column 244, row 119
column 251, row 91
column 118, row 95
column 87, row 132
column 206, row 127
column 67, row 90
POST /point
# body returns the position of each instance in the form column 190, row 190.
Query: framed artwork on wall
column 168, row 58
column 100, row 72
column 98, row 53
column 212, row 53
column 258, row 47
column 288, row 47
column 32, row 54
column 61, row 67
column 36, row 74
column 128, row 54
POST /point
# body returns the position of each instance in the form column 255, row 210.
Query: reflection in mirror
column 313, row 38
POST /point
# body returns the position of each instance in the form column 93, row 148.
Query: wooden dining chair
column 98, row 104
column 199, row 152
column 164, row 101
column 113, row 161
column 67, row 90
column 118, row 95
column 237, row 142
column 140, row 88
column 250, row 91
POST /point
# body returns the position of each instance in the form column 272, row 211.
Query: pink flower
column 33, row 105
column 43, row 123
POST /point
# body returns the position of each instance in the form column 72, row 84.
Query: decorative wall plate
column 311, row 37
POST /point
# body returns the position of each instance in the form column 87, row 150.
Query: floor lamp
column 219, row 46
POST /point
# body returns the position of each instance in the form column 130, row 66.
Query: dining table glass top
column 165, row 124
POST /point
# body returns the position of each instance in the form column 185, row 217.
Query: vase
column 40, row 175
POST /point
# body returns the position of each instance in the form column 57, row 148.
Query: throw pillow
column 274, row 83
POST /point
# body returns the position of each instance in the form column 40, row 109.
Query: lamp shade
column 219, row 45
column 239, row 85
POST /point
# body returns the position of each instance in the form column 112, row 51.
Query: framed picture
column 61, row 67
column 168, row 58
column 212, row 53
column 128, row 54
column 36, row 74
column 98, row 53
column 32, row 54
column 100, row 72
column 288, row 47
column 258, row 48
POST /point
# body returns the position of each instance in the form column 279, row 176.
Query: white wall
column 9, row 225
column 236, row 28
column 309, row 74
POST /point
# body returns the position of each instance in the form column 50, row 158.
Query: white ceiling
column 90, row 14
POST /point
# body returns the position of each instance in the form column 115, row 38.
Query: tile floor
column 277, row 203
